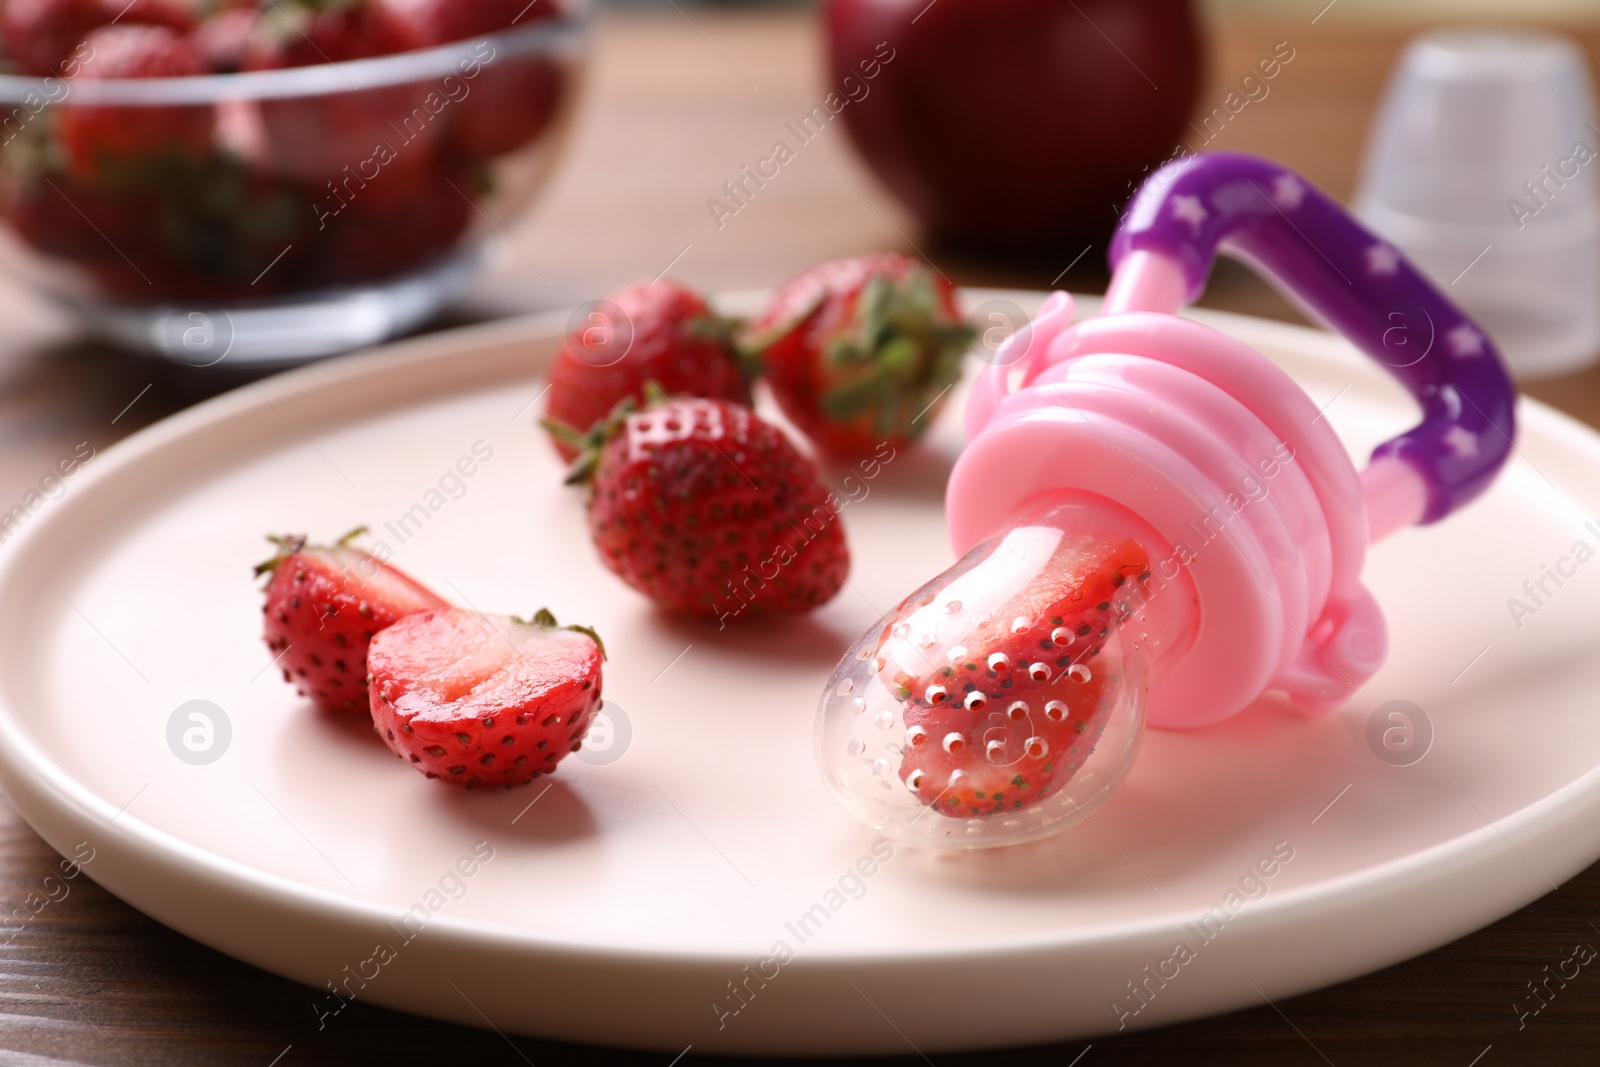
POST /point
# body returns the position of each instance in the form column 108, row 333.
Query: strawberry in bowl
column 516, row 98
column 128, row 147
column 273, row 165
column 45, row 37
column 314, row 138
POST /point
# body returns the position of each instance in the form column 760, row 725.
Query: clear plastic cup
column 1484, row 168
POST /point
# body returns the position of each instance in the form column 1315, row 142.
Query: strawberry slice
column 997, row 666
column 483, row 700
column 1009, row 754
column 324, row 605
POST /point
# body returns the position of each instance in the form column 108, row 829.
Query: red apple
column 1014, row 124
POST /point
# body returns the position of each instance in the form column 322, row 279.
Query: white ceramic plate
column 629, row 900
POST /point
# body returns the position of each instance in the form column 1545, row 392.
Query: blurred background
column 684, row 95
column 678, row 97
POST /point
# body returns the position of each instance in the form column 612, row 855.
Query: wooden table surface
column 673, row 109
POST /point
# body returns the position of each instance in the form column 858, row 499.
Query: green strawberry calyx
column 292, row 544
column 546, row 620
column 904, row 353
column 589, row 443
column 724, row 332
column 900, row 354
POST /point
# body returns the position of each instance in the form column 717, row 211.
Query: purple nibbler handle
column 1359, row 285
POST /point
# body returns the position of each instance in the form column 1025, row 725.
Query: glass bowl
column 278, row 216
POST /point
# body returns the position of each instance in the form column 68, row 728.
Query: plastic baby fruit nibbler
column 1155, row 522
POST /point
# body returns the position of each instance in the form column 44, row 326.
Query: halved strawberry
column 653, row 331
column 708, row 510
column 484, row 699
column 1010, row 753
column 324, row 605
column 862, row 351
column 998, row 667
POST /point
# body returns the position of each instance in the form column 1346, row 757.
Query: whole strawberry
column 708, row 510
column 862, row 351
column 1005, row 697
column 484, row 699
column 660, row 332
column 117, row 147
column 324, row 605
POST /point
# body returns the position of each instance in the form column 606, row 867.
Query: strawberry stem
column 727, row 332
column 564, row 433
column 288, row 545
column 589, row 444
column 545, row 619
column 589, row 632
column 901, row 354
